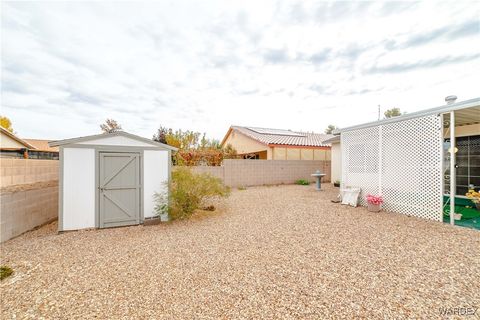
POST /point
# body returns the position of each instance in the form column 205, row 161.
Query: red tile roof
column 284, row 137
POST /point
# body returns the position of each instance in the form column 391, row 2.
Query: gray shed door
column 119, row 189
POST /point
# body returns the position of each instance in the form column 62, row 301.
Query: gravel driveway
column 267, row 252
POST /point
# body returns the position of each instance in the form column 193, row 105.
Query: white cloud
column 206, row 65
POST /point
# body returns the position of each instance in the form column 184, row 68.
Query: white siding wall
column 336, row 163
column 155, row 167
column 78, row 188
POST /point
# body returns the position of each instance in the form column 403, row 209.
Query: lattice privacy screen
column 401, row 161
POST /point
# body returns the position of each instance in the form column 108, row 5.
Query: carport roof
column 113, row 134
column 464, row 110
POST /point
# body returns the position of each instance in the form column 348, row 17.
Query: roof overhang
column 472, row 104
column 332, row 140
column 59, row 143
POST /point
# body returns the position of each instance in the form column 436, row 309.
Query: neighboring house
column 10, row 141
column 277, row 144
column 12, row 146
column 41, row 145
column 407, row 159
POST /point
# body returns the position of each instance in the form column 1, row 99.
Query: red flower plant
column 377, row 200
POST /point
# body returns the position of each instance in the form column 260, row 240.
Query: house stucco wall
column 336, row 162
column 243, row 144
column 300, row 153
column 8, row 142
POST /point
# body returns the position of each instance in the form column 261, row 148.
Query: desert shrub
column 189, row 191
column 302, row 182
column 242, row 188
column 5, row 272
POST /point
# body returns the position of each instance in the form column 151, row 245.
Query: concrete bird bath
column 319, row 177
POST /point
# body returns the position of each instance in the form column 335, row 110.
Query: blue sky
column 206, row 65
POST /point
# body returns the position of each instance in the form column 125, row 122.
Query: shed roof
column 107, row 135
column 281, row 136
column 472, row 105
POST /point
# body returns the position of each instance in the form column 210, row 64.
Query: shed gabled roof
column 107, row 135
column 282, row 137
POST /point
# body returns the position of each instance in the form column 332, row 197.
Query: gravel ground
column 267, row 252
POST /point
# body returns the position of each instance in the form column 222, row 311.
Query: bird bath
column 319, row 177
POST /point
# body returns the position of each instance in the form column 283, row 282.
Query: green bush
column 188, row 192
column 5, row 272
column 302, row 182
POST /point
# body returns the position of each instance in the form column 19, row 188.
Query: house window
column 468, row 164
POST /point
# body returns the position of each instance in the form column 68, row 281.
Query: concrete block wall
column 218, row 172
column 24, row 210
column 26, row 171
column 237, row 173
column 28, row 196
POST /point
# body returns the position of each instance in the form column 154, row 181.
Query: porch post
column 453, row 180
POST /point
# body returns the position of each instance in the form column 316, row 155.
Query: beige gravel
column 268, row 252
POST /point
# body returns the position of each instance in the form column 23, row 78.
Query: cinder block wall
column 25, row 171
column 24, row 210
column 28, row 195
column 218, row 172
column 237, row 173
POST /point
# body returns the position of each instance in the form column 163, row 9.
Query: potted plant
column 374, row 203
column 336, row 184
column 474, row 196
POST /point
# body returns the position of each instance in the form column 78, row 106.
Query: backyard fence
column 28, row 195
column 236, row 173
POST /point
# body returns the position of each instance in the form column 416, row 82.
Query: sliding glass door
column 468, row 164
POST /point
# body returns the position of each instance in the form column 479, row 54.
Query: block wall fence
column 236, row 173
column 28, row 195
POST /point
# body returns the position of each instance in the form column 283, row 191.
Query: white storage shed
column 110, row 179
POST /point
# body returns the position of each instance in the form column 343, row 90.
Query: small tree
column 6, row 124
column 393, row 112
column 110, row 126
column 330, row 128
column 161, row 135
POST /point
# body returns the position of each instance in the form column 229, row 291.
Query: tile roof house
column 11, row 146
column 277, row 144
column 41, row 145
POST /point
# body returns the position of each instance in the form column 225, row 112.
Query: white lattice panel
column 402, row 162
column 411, row 167
column 360, row 160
